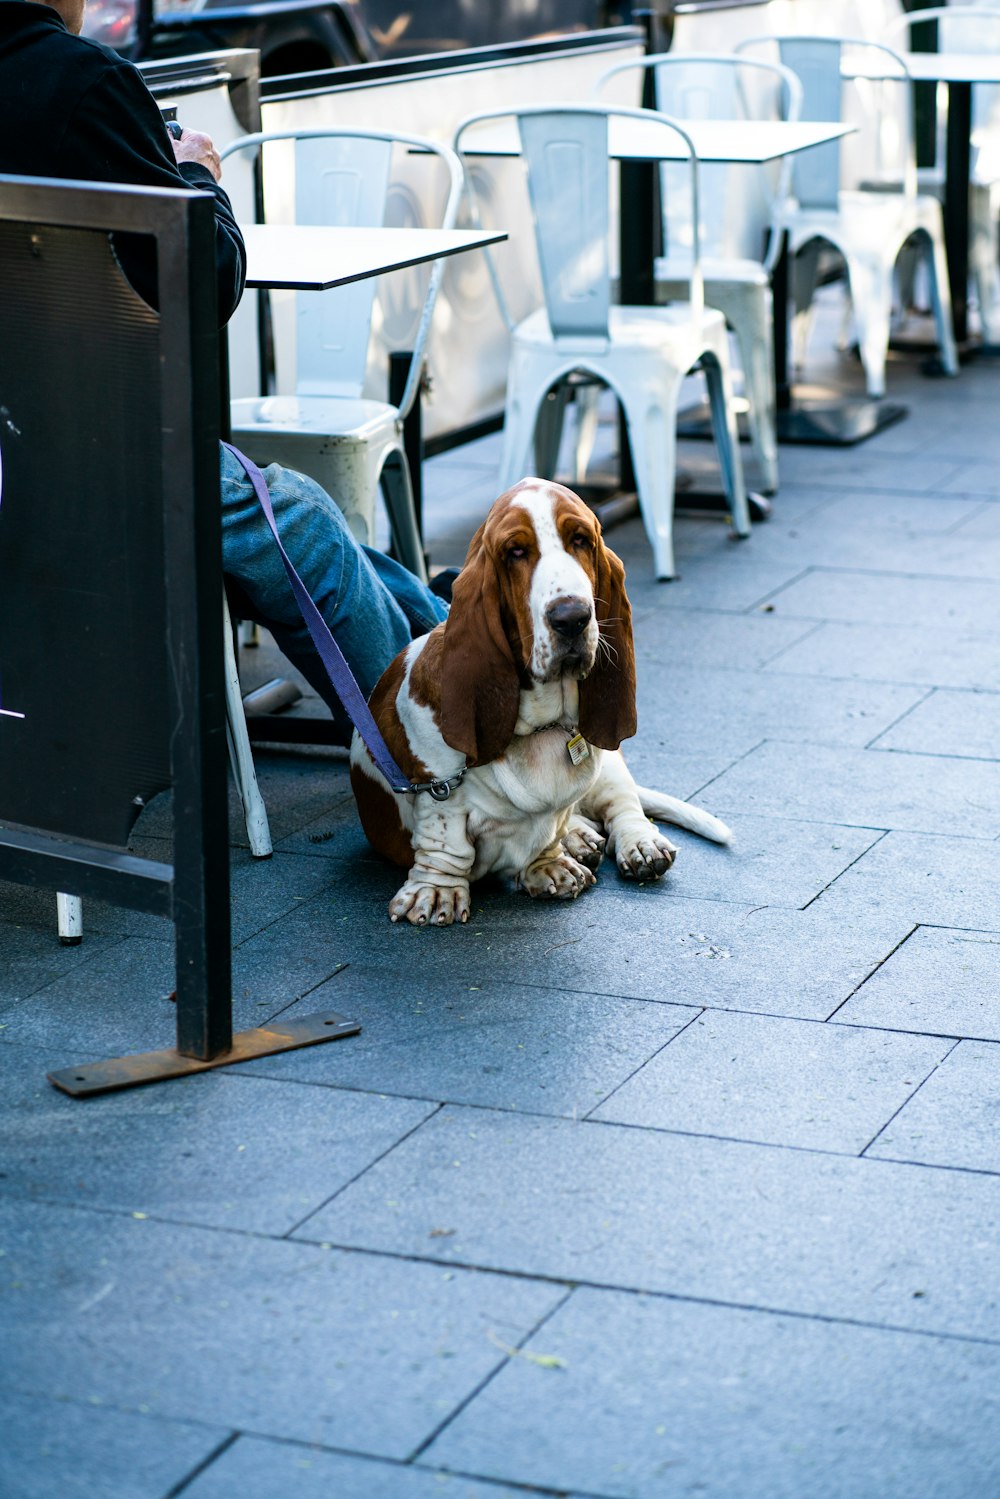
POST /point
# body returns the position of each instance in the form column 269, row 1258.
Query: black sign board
column 111, row 650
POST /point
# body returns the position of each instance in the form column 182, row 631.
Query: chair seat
column 868, row 221
column 338, row 419
column 640, row 329
column 677, row 268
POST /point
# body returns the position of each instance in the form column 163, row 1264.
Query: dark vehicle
column 299, row 36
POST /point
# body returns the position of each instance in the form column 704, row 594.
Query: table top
column 304, row 257
column 631, row 139
column 934, row 67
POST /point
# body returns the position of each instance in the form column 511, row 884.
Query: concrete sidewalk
column 691, row 1189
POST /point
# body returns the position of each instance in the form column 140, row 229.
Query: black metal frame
column 194, row 890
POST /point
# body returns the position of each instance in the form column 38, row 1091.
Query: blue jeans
column 374, row 607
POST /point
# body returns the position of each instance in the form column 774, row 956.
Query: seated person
column 72, row 108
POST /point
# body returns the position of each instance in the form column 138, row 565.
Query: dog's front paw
column 556, row 877
column 430, row 905
column 584, row 843
column 644, row 854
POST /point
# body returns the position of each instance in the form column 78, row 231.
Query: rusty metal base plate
column 157, row 1066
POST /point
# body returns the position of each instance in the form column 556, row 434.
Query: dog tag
column 578, row 748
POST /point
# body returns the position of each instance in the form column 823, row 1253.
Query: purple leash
column 337, row 669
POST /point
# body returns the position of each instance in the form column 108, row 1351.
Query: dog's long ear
column 480, row 692
column 607, row 695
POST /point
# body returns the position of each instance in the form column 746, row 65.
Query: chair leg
column 586, row 400
column 652, row 436
column 871, row 292
column 805, row 274
column 549, row 429
column 69, row 914
column 752, row 326
column 397, row 491
column 240, row 755
column 727, row 438
column 941, row 302
column 524, row 401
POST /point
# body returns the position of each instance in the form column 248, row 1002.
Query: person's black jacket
column 72, row 108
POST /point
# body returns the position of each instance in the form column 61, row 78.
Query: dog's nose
column 568, row 617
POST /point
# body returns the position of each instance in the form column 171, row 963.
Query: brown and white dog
column 525, row 693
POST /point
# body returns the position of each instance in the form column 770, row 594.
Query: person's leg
column 372, row 605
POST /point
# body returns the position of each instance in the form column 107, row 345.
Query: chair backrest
column 565, row 150
column 829, row 68
column 344, row 178
column 738, row 200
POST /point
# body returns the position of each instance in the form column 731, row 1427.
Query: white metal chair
column 974, row 27
column 739, row 207
column 69, row 908
column 327, row 427
column 642, row 353
column 869, row 225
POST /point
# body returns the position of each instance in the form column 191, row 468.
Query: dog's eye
column 516, row 554
column 581, row 542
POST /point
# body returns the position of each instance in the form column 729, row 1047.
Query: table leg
column 956, row 203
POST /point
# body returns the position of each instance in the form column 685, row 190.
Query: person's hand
column 191, row 145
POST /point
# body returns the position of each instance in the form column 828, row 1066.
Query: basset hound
column 516, row 706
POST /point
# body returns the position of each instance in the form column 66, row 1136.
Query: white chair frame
column 642, row 353
column 738, row 285
column 868, row 227
column 327, row 429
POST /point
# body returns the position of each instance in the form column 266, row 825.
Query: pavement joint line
column 507, row 1355
column 636, row 1070
column 184, row 1483
column 928, row 694
column 653, row 1293
column 923, row 1081
column 878, row 965
column 790, row 645
column 432, row 1114
column 914, row 754
column 883, row 834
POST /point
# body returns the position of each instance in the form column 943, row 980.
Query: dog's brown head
column 540, row 597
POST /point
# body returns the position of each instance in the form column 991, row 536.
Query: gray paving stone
column 921, row 655
column 732, row 583
column 952, row 1121
column 866, row 788
column 731, row 710
column 865, row 468
column 882, row 598
column 285, row 1340
column 945, row 982
column 753, row 1225
column 934, row 880
column 256, row 1469
column 948, row 723
column 655, row 1399
column 31, row 956
column 702, row 638
column 639, row 942
column 118, row 1001
column 771, row 860
column 780, row 1082
column 63, row 1450
column 504, row 1046
column 246, row 1153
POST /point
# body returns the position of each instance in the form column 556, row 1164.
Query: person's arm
column 117, row 134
